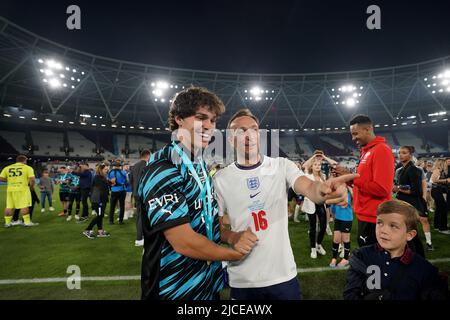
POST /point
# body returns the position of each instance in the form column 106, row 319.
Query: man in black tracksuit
column 85, row 187
column 136, row 173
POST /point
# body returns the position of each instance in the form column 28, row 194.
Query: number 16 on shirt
column 259, row 220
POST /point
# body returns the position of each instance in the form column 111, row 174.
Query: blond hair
column 441, row 165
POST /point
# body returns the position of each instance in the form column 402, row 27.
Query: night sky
column 246, row 36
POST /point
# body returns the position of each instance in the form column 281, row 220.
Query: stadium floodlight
column 442, row 84
column 256, row 93
column 160, row 89
column 55, row 69
column 348, row 95
column 54, row 83
column 162, row 85
column 351, row 102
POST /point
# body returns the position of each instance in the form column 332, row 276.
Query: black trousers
column 17, row 212
column 84, row 199
column 117, row 196
column 440, row 214
column 98, row 219
column 366, row 233
column 77, row 198
column 322, row 216
column 139, row 232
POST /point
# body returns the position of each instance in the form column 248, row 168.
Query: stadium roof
column 47, row 79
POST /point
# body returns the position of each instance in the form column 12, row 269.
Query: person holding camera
column 326, row 166
column 119, row 181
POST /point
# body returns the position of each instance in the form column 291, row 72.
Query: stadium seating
column 287, row 145
column 409, row 138
column 48, row 143
column 82, row 147
column 16, row 139
column 305, row 146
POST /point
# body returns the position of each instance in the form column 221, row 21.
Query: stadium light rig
column 439, row 83
column 57, row 76
column 258, row 94
column 161, row 89
column 348, row 95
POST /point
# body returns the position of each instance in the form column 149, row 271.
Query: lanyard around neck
column 205, row 189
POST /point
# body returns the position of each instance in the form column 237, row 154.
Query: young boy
column 389, row 270
column 46, row 187
column 342, row 228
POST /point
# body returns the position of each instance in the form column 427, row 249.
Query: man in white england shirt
column 253, row 192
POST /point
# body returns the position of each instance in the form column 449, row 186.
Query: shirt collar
column 256, row 165
column 406, row 258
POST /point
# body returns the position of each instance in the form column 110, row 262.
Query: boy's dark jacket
column 418, row 279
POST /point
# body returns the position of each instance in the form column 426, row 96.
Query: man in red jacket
column 376, row 170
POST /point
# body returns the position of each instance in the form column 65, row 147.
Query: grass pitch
column 47, row 250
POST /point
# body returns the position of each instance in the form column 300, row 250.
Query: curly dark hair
column 186, row 103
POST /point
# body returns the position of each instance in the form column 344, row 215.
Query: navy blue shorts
column 289, row 290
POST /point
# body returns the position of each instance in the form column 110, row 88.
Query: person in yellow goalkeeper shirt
column 20, row 178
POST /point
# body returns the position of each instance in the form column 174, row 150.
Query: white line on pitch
column 124, row 278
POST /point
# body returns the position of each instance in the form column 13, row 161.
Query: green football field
column 34, row 261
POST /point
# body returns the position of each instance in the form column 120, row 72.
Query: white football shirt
column 256, row 197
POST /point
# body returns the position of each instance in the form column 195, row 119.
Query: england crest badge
column 253, row 183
